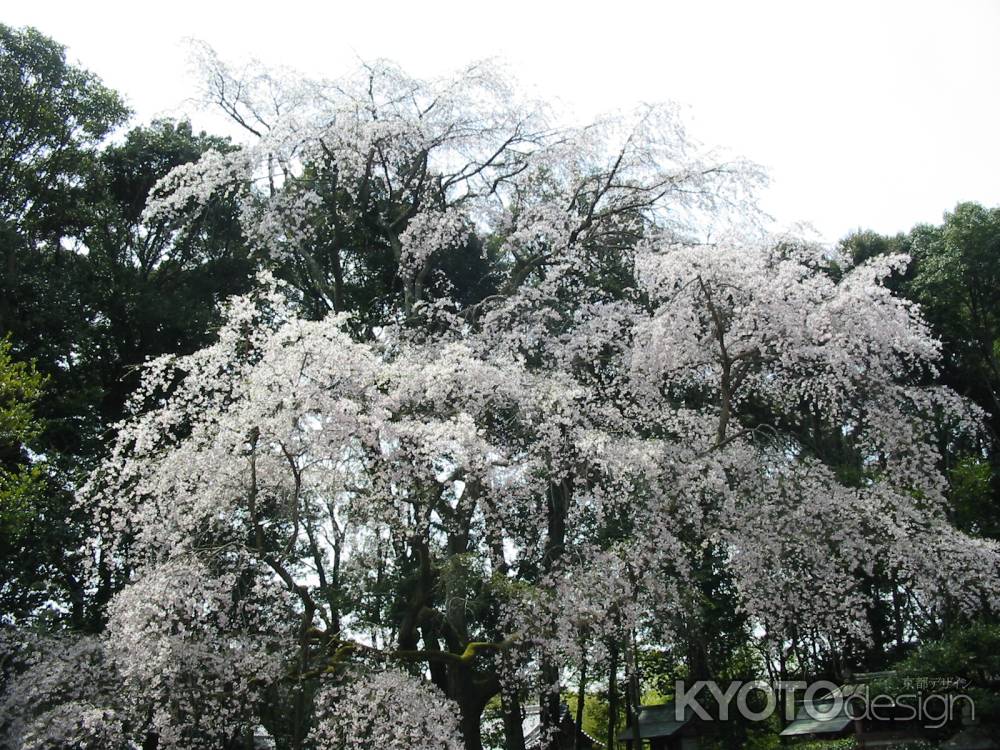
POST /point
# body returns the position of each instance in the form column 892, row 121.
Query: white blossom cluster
column 389, row 709
column 62, row 696
column 426, row 161
column 189, row 657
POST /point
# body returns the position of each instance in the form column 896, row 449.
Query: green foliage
column 53, row 115
column 954, row 277
column 152, row 288
column 766, row 741
column 965, row 661
column 18, row 492
column 595, row 714
column 20, row 387
column 89, row 290
column 848, row 743
column 971, row 494
column 22, row 480
column 957, row 283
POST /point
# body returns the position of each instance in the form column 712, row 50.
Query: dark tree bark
column 558, row 505
column 612, row 696
column 513, row 726
column 581, row 696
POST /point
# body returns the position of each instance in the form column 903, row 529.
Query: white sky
column 873, row 114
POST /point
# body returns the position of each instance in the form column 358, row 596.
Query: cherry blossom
column 469, row 499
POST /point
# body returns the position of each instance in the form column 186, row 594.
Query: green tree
column 955, row 278
column 53, row 115
column 957, row 282
column 964, row 661
column 22, row 482
column 88, row 288
column 152, row 287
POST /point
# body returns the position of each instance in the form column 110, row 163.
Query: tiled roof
column 819, row 717
column 658, row 721
column 531, row 726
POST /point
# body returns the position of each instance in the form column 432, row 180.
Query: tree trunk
column 469, row 721
column 471, row 691
column 513, row 721
column 633, row 697
column 612, row 696
column 581, row 699
column 558, row 505
column 549, row 702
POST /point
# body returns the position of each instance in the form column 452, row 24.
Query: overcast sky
column 873, row 114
